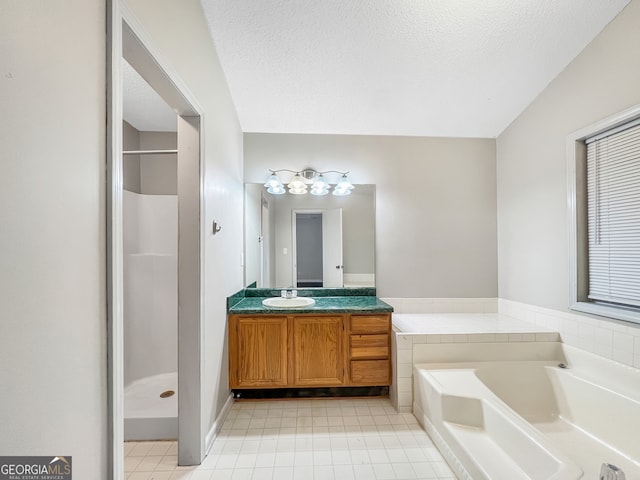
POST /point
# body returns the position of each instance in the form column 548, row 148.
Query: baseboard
column 217, row 425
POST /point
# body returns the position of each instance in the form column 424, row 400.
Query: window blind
column 613, row 205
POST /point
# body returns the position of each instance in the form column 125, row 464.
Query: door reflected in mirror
column 309, row 241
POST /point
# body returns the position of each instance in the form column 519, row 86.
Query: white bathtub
column 532, row 419
column 147, row 416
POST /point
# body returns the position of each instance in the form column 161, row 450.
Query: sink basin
column 279, row 302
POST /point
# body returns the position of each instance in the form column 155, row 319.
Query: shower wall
column 150, row 285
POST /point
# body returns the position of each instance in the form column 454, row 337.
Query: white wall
column 531, row 163
column 179, row 32
column 52, row 208
column 435, row 204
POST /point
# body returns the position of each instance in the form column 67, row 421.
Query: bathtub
column 532, row 419
column 147, row 416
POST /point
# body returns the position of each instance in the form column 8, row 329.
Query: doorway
column 308, row 250
column 317, row 248
column 128, row 41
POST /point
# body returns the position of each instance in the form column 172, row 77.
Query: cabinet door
column 259, row 352
column 318, row 349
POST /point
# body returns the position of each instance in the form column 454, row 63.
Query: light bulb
column 273, row 181
column 297, row 182
column 276, row 190
column 297, row 190
column 344, row 184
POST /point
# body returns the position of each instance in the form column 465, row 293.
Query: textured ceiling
column 143, row 108
column 461, row 68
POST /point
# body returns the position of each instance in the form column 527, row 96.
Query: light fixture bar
column 303, row 179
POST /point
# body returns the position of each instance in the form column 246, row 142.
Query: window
column 604, row 207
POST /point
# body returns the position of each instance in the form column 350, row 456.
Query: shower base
column 147, row 415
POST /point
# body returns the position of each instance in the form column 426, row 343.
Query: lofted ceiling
column 454, row 68
column 451, row 68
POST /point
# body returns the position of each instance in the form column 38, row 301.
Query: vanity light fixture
column 274, row 185
column 302, row 179
column 320, row 186
column 297, row 185
column 343, row 187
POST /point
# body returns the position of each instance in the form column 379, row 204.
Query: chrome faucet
column 611, row 472
column 285, row 293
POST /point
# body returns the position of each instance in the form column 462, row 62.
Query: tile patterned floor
column 318, row 439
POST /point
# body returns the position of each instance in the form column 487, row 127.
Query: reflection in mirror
column 309, row 241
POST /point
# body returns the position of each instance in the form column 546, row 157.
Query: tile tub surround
column 446, row 329
column 611, row 339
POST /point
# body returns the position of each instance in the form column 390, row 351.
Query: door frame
column 126, row 37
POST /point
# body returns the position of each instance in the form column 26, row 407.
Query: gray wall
column 52, row 206
column 179, row 31
column 130, row 163
column 158, row 173
column 531, row 164
column 150, row 174
column 435, row 204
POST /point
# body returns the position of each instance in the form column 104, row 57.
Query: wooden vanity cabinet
column 258, row 351
column 318, row 351
column 309, row 350
column 370, row 349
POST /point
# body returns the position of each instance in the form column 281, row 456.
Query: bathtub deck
column 411, row 331
column 463, row 323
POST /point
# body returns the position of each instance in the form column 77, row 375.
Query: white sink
column 279, row 302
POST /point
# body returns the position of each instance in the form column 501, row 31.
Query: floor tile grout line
column 383, row 436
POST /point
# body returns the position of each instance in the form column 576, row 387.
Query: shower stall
column 150, row 316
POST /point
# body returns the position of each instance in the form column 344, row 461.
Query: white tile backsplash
column 607, row 338
column 623, row 348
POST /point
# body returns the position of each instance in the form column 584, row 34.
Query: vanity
column 342, row 340
column 338, row 343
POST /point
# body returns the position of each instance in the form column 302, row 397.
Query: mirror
column 305, row 241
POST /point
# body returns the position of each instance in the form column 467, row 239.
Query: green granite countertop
column 324, row 304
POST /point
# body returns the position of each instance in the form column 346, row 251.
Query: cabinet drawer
column 370, row 323
column 369, row 346
column 370, row 372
